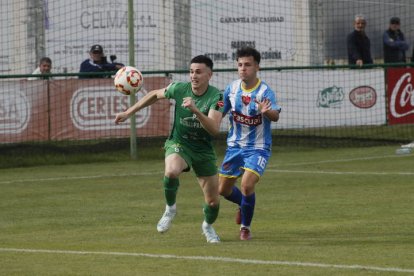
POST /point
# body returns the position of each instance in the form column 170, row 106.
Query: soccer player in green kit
column 198, row 114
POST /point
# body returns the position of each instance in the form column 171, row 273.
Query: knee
column 247, row 190
column 213, row 202
column 171, row 173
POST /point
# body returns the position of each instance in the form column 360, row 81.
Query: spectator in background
column 98, row 63
column 45, row 67
column 394, row 43
column 358, row 43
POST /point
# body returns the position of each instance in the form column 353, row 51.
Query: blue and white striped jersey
column 248, row 127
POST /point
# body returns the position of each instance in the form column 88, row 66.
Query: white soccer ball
column 128, row 80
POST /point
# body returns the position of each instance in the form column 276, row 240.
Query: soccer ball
column 128, row 80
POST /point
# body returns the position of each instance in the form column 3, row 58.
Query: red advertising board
column 400, row 95
column 74, row 109
column 85, row 109
column 23, row 111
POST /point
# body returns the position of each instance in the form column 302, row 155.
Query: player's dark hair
column 248, row 52
column 203, row 59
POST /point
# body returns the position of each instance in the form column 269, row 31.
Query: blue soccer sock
column 247, row 209
column 235, row 196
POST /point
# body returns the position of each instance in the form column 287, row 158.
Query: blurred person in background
column 45, row 67
column 394, row 43
column 98, row 62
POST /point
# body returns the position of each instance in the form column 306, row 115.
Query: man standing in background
column 358, row 43
column 394, row 43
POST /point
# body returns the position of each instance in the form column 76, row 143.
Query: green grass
column 333, row 206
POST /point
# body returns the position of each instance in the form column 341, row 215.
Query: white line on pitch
column 340, row 173
column 339, row 160
column 79, row 177
column 211, row 258
column 160, row 172
column 269, row 169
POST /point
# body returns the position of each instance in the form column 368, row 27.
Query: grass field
column 332, row 211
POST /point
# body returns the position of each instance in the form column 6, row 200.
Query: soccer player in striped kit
column 252, row 107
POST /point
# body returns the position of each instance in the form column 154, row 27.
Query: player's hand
column 121, row 117
column 264, row 105
column 189, row 103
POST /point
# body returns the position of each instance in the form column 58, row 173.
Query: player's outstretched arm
column 147, row 100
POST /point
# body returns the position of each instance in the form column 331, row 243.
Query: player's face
column 200, row 75
column 247, row 68
column 45, row 67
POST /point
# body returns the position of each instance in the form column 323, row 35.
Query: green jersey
column 187, row 129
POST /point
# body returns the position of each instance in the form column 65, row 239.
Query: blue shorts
column 237, row 160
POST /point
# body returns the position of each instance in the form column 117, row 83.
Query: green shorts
column 203, row 163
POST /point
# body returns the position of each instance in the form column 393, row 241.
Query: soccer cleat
column 208, row 231
column 245, row 234
column 238, row 216
column 165, row 221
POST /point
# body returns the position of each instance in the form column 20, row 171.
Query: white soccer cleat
column 408, row 146
column 165, row 221
column 208, row 231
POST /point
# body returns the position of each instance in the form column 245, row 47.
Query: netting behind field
column 169, row 33
column 330, row 102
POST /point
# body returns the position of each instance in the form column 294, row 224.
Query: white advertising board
column 7, row 42
column 72, row 27
column 218, row 28
column 330, row 98
column 317, row 98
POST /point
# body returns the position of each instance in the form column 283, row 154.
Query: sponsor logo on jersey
column 247, row 120
column 246, row 100
column 190, row 122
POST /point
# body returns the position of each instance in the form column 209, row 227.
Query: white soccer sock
column 243, row 226
column 172, row 208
